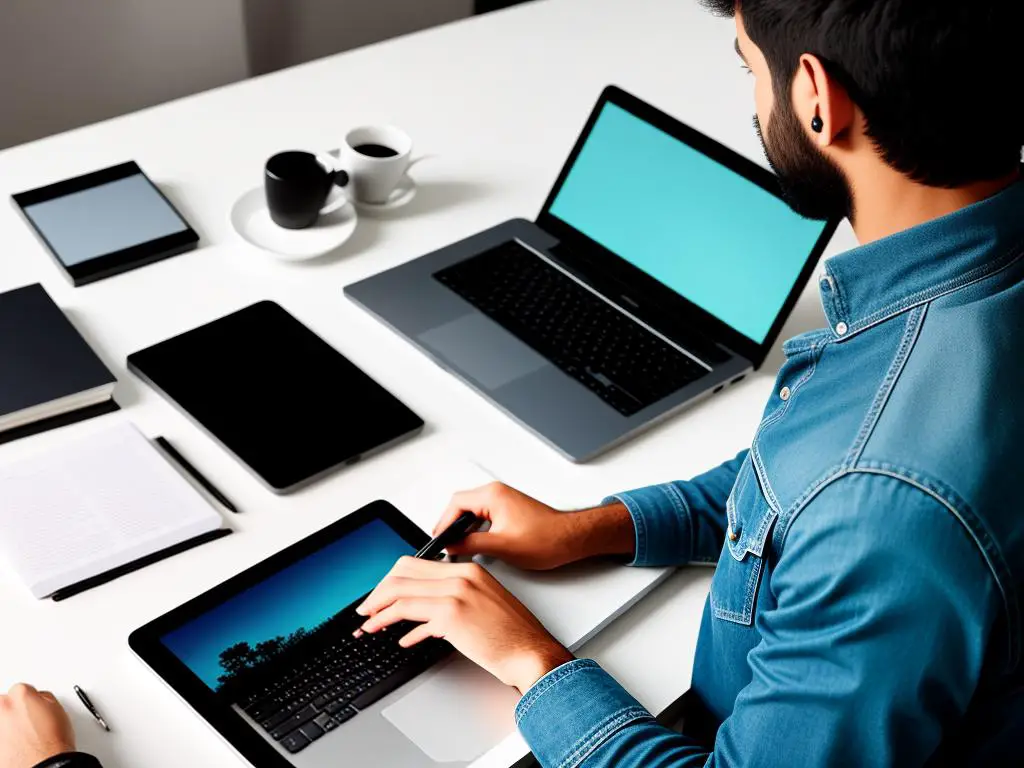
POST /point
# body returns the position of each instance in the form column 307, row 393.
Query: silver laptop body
column 527, row 384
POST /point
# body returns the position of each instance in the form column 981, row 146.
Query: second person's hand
column 33, row 727
column 530, row 534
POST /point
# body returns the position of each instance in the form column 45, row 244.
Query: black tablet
column 106, row 222
column 282, row 400
column 259, row 657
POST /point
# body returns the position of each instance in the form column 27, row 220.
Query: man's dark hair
column 936, row 80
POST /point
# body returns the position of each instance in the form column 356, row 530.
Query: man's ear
column 818, row 94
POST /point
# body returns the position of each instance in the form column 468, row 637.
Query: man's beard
column 811, row 183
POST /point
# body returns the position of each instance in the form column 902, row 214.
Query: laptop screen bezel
column 643, row 295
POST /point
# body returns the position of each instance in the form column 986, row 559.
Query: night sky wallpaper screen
column 264, row 619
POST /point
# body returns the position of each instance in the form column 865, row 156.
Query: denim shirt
column 866, row 605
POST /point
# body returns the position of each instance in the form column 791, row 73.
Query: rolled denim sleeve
column 684, row 521
column 572, row 710
column 875, row 646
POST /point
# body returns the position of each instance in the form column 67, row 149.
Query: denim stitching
column 909, row 339
column 601, row 733
column 956, row 506
column 796, row 345
column 730, row 516
column 804, row 498
column 744, row 616
column 978, row 531
column 840, row 303
column 639, row 524
column 762, row 473
column 931, row 294
column 758, row 463
column 952, row 283
column 683, row 508
column 545, row 684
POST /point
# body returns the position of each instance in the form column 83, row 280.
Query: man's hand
column 528, row 534
column 465, row 605
column 33, row 727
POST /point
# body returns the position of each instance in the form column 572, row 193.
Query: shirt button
column 784, row 393
column 733, row 535
column 841, row 329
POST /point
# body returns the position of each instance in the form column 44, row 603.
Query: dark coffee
column 375, row 150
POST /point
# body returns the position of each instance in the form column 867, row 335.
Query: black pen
column 92, row 710
column 455, row 532
column 187, row 466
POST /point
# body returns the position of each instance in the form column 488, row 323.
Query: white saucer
column 400, row 196
column 251, row 220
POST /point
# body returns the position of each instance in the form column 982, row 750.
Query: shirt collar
column 866, row 285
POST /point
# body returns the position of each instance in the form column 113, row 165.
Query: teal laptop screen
column 694, row 225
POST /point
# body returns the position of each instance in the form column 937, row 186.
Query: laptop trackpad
column 480, row 349
column 456, row 715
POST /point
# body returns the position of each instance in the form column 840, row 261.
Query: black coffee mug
column 297, row 186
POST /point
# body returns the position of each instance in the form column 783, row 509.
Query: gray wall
column 286, row 32
column 66, row 63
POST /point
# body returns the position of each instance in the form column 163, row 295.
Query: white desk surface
column 498, row 101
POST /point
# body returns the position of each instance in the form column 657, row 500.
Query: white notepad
column 93, row 505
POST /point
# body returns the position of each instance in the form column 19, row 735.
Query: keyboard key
column 336, row 706
column 295, row 742
column 301, row 717
column 343, row 716
column 275, row 720
column 312, row 731
column 379, row 690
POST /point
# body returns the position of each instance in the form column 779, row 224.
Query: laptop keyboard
column 615, row 357
column 332, row 686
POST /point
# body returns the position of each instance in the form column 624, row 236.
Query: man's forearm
column 603, row 531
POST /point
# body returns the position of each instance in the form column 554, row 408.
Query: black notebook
column 282, row 400
column 50, row 375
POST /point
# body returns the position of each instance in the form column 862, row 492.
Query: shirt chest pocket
column 740, row 568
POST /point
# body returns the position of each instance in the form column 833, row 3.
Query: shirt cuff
column 661, row 519
column 572, row 711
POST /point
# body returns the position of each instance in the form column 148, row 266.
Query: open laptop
column 268, row 660
column 660, row 270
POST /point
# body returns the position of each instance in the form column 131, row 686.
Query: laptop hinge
column 623, row 309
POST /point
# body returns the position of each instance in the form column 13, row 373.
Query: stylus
column 457, row 531
column 209, row 487
column 92, row 709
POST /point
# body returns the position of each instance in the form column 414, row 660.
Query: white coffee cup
column 375, row 158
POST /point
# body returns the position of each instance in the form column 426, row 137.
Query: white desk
column 499, row 100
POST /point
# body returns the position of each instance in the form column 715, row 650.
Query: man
column 866, row 606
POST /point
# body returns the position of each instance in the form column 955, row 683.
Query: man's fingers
column 432, row 579
column 48, row 696
column 464, row 501
column 420, row 609
column 21, row 690
column 415, row 568
column 397, row 587
column 417, row 635
column 486, row 543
